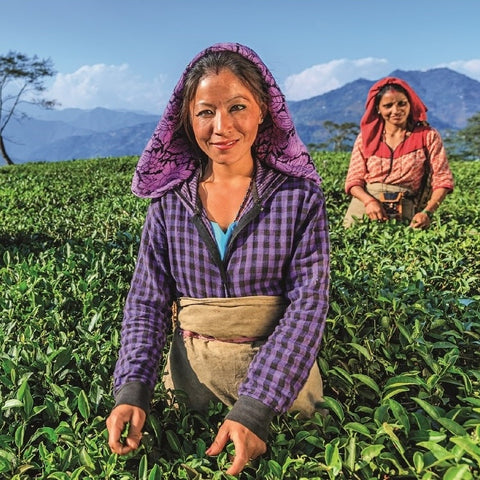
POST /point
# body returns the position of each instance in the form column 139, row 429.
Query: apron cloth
column 214, row 342
column 356, row 209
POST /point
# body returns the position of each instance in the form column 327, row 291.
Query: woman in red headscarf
column 398, row 167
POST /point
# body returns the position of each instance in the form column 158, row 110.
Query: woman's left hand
column 420, row 220
column 248, row 446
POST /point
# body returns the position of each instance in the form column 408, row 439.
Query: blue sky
column 128, row 54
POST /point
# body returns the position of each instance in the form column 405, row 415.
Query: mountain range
column 55, row 135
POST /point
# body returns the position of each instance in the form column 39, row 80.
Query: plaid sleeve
column 281, row 366
column 147, row 309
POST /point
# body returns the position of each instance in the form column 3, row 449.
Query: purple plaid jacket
column 279, row 247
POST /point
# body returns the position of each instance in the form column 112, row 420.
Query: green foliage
column 341, row 136
column 400, row 356
column 465, row 143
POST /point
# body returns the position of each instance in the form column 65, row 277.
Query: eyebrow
column 233, row 99
column 397, row 101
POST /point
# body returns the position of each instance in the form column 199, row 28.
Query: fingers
column 134, row 434
column 376, row 212
column 420, row 221
column 378, row 217
column 244, row 453
column 121, row 417
column 248, row 446
column 115, row 426
column 240, row 459
column 220, row 441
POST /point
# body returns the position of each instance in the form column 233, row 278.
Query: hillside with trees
column 326, row 121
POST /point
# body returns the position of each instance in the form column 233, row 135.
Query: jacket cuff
column 134, row 393
column 252, row 414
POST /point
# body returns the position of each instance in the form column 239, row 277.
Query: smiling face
column 225, row 116
column 394, row 108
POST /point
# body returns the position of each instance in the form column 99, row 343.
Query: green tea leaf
column 357, row 427
column 12, row 403
column 469, row 446
column 173, row 441
column 371, row 452
column 460, row 472
column 368, row 381
column 433, row 412
column 83, row 405
column 362, row 350
column 333, row 405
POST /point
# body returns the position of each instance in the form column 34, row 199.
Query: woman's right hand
column 375, row 211
column 121, row 417
column 247, row 445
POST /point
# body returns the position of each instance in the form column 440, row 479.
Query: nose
column 222, row 122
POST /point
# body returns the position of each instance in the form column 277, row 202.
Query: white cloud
column 471, row 68
column 118, row 87
column 328, row 76
column 109, row 86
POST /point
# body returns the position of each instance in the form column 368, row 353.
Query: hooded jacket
column 280, row 246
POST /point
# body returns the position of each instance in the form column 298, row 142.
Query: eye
column 237, row 108
column 387, row 105
column 204, row 113
column 402, row 103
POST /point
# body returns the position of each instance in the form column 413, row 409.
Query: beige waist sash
column 356, row 209
column 376, row 188
column 230, row 319
column 223, row 335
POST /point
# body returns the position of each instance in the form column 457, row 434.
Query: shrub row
column 400, row 356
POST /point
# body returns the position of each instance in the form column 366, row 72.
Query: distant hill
column 451, row 98
column 53, row 135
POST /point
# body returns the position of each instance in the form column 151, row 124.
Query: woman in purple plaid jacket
column 235, row 250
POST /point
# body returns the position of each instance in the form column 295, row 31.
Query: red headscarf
column 372, row 123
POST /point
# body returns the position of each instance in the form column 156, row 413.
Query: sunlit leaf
column 371, row 452
column 83, row 405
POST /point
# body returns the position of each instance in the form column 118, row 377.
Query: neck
column 394, row 129
column 225, row 173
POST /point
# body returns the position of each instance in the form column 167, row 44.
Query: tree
column 21, row 81
column 470, row 136
column 340, row 136
column 464, row 144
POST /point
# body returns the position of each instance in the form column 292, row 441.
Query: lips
column 224, row 145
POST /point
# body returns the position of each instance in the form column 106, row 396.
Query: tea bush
column 400, row 357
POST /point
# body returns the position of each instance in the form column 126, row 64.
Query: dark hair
column 214, row 62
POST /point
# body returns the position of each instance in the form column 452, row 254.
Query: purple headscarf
column 169, row 158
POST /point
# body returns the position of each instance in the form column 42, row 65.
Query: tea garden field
column 400, row 357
